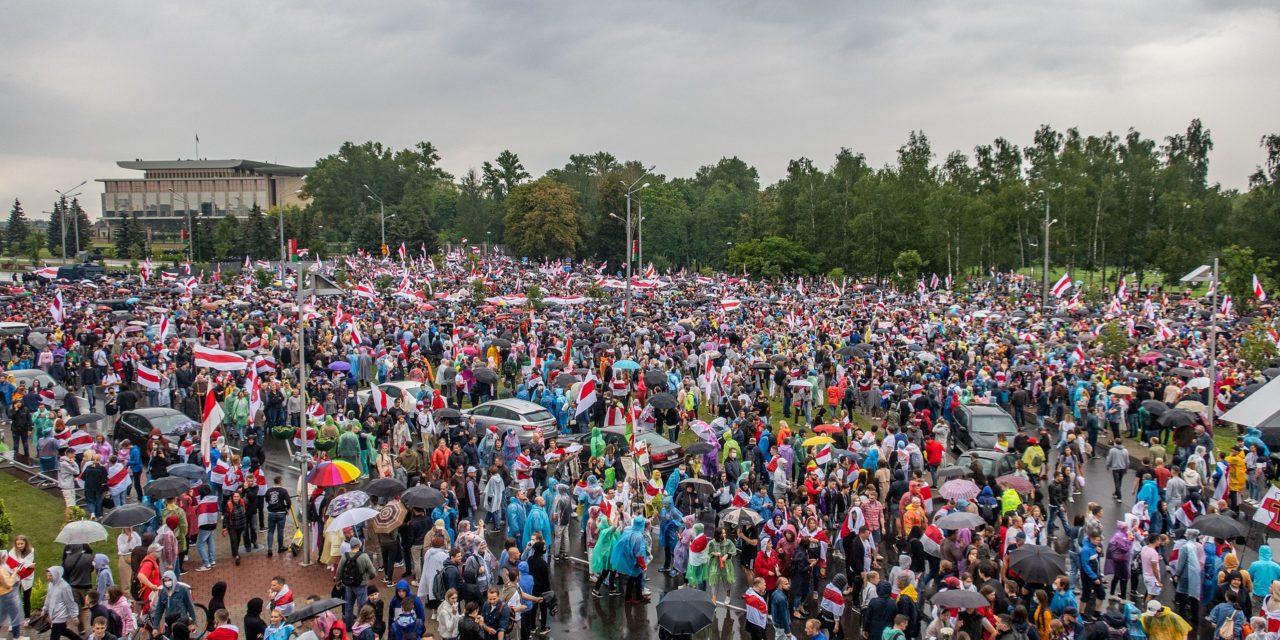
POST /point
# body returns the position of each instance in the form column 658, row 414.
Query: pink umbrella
column 1017, row 483
column 959, row 489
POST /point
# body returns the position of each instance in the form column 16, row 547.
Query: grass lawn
column 38, row 515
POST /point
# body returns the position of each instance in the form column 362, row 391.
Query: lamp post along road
column 1044, row 286
column 67, row 197
column 632, row 189
column 191, row 238
column 382, row 215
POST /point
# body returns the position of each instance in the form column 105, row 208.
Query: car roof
column 155, row 412
column 979, row 410
column 517, row 405
column 987, row 454
column 619, row 430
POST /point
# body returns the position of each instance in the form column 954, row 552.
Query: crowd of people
column 818, row 421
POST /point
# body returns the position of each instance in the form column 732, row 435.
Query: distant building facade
column 171, row 190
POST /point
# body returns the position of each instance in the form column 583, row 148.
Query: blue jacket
column 515, row 521
column 135, row 459
column 673, row 482
column 537, row 521
column 393, row 607
column 671, row 523
column 1088, row 556
column 629, row 548
column 1264, row 571
column 779, row 609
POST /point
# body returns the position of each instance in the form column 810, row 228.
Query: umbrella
column 925, row 356
column 698, row 484
column 566, row 380
column 1220, row 526
column 1037, row 563
column 698, row 448
column 447, row 413
column 663, row 401
column 1177, row 418
column 340, row 365
column 816, row 441
column 345, row 502
column 847, row 351
column 959, row 599
column 959, row 489
column 1194, row 406
column 1017, row 483
column 762, row 366
column 350, row 518
column 501, row 343
column 740, row 517
column 602, row 346
column 801, row 383
column 422, row 497
column 686, row 611
column 1271, row 372
column 485, row 375
column 130, row 515
column 627, row 365
column 1182, row 372
column 384, row 488
column 390, row 516
column 166, row 487
column 1122, row 390
column 1198, row 383
column 828, row 428
column 82, row 532
column 1155, row 407
column 1183, row 436
column 191, row 472
column 85, row 418
column 959, row 519
column 333, row 473
column 314, row 609
column 655, row 377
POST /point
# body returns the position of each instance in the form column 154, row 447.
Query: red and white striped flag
column 56, row 308
column 1257, row 289
column 730, row 304
column 211, row 358
column 586, row 396
column 1122, row 292
column 315, row 411
column 1226, row 305
column 381, row 401
column 824, row 455
column 1079, row 353
column 742, row 498
column 212, row 418
column 365, row 291
column 1061, row 287
column 148, row 377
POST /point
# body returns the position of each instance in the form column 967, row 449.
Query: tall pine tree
column 79, row 229
column 126, row 238
column 54, row 236
column 15, row 232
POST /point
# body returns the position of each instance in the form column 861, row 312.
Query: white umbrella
column 1198, row 383
column 801, row 383
column 82, row 532
column 350, row 518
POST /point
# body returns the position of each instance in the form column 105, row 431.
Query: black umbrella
column 686, row 611
column 314, row 609
column 166, row 487
column 1250, row 388
column 191, row 472
column 603, row 346
column 1182, row 372
column 566, row 380
column 384, row 488
column 501, row 343
column 1175, row 418
column 1037, row 563
column 447, row 413
column 847, row 351
column 422, row 497
column 130, row 515
column 698, row 448
column 663, row 401
column 84, row 418
column 600, row 331
column 698, row 484
column 762, row 366
column 1155, row 407
column 740, row 517
column 1220, row 526
column 484, row 375
column 655, row 377
column 959, row 599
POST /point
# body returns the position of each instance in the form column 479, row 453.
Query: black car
column 136, row 426
column 664, row 455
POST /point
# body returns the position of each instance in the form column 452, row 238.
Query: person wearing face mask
column 173, row 603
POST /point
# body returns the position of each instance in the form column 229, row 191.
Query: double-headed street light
column 75, row 221
column 382, row 214
column 1044, row 293
column 632, row 189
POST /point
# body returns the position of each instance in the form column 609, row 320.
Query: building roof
column 1261, row 407
column 259, row 167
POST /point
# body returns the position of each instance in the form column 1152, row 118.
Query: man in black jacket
column 541, row 574
column 880, row 612
column 94, row 478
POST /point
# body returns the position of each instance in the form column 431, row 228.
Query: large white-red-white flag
column 212, row 419
column 148, row 377
column 1061, row 287
column 381, row 401
column 1257, row 290
column 210, row 358
column 56, row 308
column 730, row 304
column 586, row 396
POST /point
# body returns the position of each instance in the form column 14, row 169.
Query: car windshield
column 173, row 424
column 538, row 416
column 992, row 424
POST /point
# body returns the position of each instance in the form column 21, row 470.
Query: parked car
column 511, row 413
column 395, row 390
column 136, row 426
column 977, row 426
column 87, row 271
column 994, row 463
column 664, row 455
column 46, row 382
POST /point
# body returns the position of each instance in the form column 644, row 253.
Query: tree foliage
column 131, row 238
column 15, row 231
column 772, row 257
column 1238, row 266
column 543, row 220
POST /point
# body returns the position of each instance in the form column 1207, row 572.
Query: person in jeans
column 207, row 523
column 236, row 519
column 278, row 504
column 355, row 581
column 1117, row 464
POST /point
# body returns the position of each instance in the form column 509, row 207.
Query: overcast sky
column 677, row 84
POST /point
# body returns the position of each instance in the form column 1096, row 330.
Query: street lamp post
column 632, row 189
column 382, row 214
column 1044, row 293
column 75, row 222
column 191, row 236
column 1210, row 274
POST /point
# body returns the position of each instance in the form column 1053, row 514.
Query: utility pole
column 631, row 190
column 75, row 223
column 382, row 216
column 302, row 418
column 1044, row 292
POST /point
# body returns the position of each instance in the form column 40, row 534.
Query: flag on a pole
column 1257, row 290
column 56, row 308
column 586, row 396
column 1061, row 287
column 212, row 418
column 210, row 358
column 381, row 401
column 147, row 377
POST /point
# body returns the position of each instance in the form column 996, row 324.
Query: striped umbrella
column 333, row 473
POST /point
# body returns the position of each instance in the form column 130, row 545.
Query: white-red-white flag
column 56, row 308
column 1061, row 287
column 212, row 419
column 1257, row 289
column 147, row 377
column 586, row 396
column 211, row 358
column 381, row 401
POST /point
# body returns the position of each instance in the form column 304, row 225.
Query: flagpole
column 302, row 426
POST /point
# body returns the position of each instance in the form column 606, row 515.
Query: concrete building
column 171, row 190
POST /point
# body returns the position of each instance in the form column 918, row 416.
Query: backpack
column 406, row 622
column 471, row 570
column 437, row 585
column 1227, row 630
column 351, row 575
column 1021, row 634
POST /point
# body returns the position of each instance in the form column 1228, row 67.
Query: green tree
column 228, row 241
column 533, row 297
column 478, row 290
column 263, row 278
column 79, row 224
column 505, row 173
column 907, row 267
column 32, row 247
column 126, row 239
column 1112, row 339
column 202, row 247
column 259, row 235
column 53, row 238
column 543, row 220
column 772, row 257
column 1257, row 348
column 16, row 230
column 1239, row 264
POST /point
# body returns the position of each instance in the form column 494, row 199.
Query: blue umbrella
column 629, row 365
column 339, row 365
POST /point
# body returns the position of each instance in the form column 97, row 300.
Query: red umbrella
column 828, row 429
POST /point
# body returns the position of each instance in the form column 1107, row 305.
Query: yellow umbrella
column 816, row 441
column 1194, row 406
column 1122, row 390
